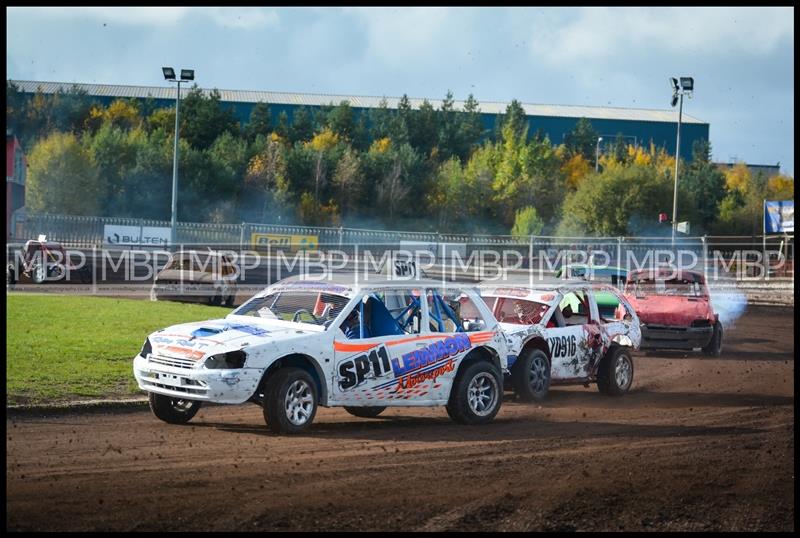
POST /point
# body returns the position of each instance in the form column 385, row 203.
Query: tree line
column 429, row 169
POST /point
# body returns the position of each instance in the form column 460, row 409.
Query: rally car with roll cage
column 558, row 335
column 205, row 276
column 675, row 310
column 302, row 343
column 41, row 261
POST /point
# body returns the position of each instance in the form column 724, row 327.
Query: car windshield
column 316, row 308
column 520, row 312
column 666, row 287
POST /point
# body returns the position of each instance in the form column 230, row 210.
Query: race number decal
column 353, row 372
column 562, row 346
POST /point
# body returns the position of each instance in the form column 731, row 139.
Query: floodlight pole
column 597, row 155
column 677, row 160
column 174, row 222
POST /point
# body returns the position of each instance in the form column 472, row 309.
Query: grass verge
column 63, row 348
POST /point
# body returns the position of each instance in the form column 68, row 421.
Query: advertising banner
column 136, row 235
column 285, row 241
column 779, row 216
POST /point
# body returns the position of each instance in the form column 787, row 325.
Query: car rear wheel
column 365, row 412
column 615, row 375
column 173, row 410
column 290, row 401
column 531, row 376
column 476, row 395
column 714, row 347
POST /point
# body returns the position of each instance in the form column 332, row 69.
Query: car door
column 575, row 342
column 370, row 354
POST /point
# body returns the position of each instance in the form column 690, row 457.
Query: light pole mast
column 174, row 220
column 186, row 75
column 686, row 86
column 677, row 160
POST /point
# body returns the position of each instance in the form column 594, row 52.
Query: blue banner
column 779, row 216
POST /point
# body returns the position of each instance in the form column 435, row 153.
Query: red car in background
column 674, row 309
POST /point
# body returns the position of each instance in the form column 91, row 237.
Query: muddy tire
column 365, row 412
column 615, row 375
column 714, row 347
column 11, row 276
column 173, row 410
column 530, row 376
column 476, row 395
column 230, row 299
column 290, row 401
column 215, row 300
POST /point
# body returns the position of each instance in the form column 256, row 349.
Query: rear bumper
column 220, row 386
column 671, row 337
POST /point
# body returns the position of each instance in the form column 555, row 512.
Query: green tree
column 62, row 178
column 619, row 201
column 514, row 120
column 380, row 119
column 340, row 120
column 471, row 128
column 113, row 154
column 401, row 124
column 582, row 139
column 203, row 118
column 424, row 129
column 282, row 128
column 302, row 128
column 705, row 183
column 348, row 181
column 527, row 222
column 260, row 121
column 267, row 171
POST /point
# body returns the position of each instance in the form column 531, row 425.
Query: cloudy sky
column 742, row 59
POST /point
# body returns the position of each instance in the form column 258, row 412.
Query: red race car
column 674, row 308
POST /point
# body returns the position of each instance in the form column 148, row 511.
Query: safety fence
column 730, row 252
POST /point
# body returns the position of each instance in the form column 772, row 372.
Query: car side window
column 574, row 308
column 384, row 313
column 452, row 310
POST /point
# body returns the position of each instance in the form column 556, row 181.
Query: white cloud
column 591, row 34
column 245, row 18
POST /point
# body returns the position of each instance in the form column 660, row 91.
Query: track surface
column 699, row 444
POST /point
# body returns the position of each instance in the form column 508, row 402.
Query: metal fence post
column 241, row 237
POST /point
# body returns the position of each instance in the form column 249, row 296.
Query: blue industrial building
column 638, row 126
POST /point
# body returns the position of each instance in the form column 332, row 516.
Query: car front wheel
column 531, row 376
column 173, row 410
column 290, row 401
column 615, row 375
column 476, row 395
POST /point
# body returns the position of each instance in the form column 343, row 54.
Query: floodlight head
column 687, row 83
column 187, row 74
column 169, row 73
column 674, row 82
column 674, row 99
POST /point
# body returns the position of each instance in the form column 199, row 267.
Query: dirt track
column 698, row 444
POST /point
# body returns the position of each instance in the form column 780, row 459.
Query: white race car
column 301, row 343
column 558, row 335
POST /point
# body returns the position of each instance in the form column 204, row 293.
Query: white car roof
column 348, row 285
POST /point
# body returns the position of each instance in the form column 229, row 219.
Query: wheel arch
column 536, row 342
column 304, row 362
column 481, row 353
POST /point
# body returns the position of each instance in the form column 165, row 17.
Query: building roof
column 358, row 101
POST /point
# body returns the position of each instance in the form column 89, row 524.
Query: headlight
column 232, row 359
column 146, row 348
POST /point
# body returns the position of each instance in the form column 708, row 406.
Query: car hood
column 204, row 338
column 667, row 310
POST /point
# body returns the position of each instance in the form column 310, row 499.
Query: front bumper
column 672, row 337
column 176, row 378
